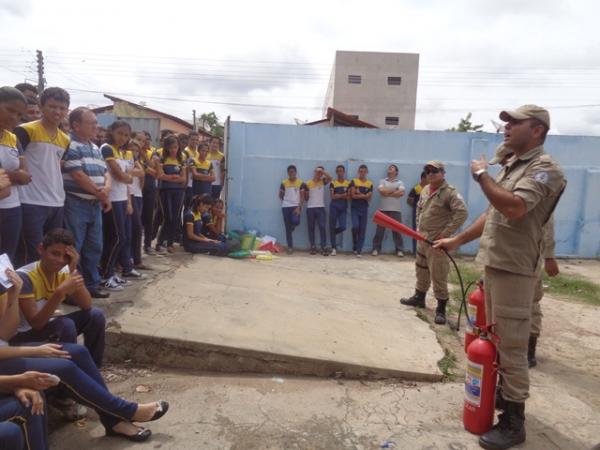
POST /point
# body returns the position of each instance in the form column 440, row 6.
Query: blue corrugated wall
column 258, row 155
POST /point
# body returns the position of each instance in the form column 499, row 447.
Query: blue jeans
column 37, row 221
column 84, row 219
column 18, row 426
column 90, row 323
column 290, row 223
column 359, row 227
column 216, row 191
column 318, row 216
column 136, row 229
column 81, row 379
column 213, row 248
column 171, row 202
column 337, row 221
column 117, row 238
column 11, row 221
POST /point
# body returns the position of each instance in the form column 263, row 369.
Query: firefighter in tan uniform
column 502, row 156
column 440, row 212
column 522, row 199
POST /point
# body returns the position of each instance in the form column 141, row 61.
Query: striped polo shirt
column 10, row 157
column 83, row 156
column 42, row 155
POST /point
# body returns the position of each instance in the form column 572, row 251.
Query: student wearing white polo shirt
column 217, row 159
column 43, row 145
column 315, row 208
column 292, row 198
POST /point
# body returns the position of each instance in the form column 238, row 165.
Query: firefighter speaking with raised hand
column 522, row 199
column 440, row 212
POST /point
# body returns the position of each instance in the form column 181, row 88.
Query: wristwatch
column 477, row 174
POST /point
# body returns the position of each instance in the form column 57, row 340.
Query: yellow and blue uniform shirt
column 195, row 218
column 291, row 192
column 42, row 155
column 204, row 167
column 37, row 287
column 172, row 166
column 340, row 187
column 364, row 187
column 10, row 160
column 118, row 189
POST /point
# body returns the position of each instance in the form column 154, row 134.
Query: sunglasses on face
column 432, row 170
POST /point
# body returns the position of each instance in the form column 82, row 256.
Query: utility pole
column 40, row 71
column 194, row 119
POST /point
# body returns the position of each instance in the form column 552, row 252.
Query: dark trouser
column 189, row 195
column 82, row 380
column 171, row 201
column 11, row 221
column 201, row 187
column 84, row 219
column 319, row 216
column 19, row 427
column 136, row 229
column 117, row 238
column 288, row 221
column 216, row 191
column 213, row 248
column 91, row 323
column 359, row 226
column 148, row 207
column 380, row 232
column 337, row 221
column 414, row 224
column 37, row 221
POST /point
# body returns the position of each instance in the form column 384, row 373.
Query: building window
column 392, row 120
column 394, row 81
column 354, row 79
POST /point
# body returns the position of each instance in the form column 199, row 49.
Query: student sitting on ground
column 77, row 375
column 215, row 226
column 46, row 284
column 194, row 241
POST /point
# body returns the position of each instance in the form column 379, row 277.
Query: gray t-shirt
column 391, row 203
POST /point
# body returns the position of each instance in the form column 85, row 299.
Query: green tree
column 465, row 125
column 210, row 122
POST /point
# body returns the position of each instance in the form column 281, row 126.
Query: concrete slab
column 298, row 314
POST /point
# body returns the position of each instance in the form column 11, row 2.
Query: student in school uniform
column 202, row 171
column 338, row 207
column 194, row 240
column 361, row 191
column 315, row 208
column 12, row 161
column 149, row 160
column 172, row 173
column 217, row 159
column 291, row 193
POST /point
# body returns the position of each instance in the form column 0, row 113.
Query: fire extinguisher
column 475, row 314
column 480, row 383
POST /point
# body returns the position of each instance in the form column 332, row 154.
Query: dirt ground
column 219, row 411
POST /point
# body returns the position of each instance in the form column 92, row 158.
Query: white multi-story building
column 375, row 87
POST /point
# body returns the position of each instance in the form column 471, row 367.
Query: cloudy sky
column 269, row 61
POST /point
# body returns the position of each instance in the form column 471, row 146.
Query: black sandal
column 163, row 407
column 142, row 435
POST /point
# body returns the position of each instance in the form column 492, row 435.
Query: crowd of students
column 296, row 194
column 79, row 205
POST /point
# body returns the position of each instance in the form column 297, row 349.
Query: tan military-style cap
column 435, row 163
column 527, row 112
column 501, row 152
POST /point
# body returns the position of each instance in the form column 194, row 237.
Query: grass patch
column 573, row 287
column 447, row 365
column 469, row 274
column 422, row 315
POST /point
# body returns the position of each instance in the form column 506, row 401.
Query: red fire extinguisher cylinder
column 480, row 385
column 475, row 314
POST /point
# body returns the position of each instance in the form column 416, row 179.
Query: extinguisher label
column 472, row 315
column 473, row 381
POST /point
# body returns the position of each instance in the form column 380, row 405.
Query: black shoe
column 417, row 300
column 531, row 351
column 142, row 435
column 440, row 312
column 162, row 407
column 313, row 250
column 98, row 293
column 509, row 431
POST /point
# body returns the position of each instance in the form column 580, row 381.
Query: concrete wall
column 374, row 99
column 258, row 155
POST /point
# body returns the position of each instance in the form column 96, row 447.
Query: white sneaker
column 134, row 274
column 374, row 253
column 333, row 252
column 400, row 254
column 358, row 255
column 113, row 285
column 120, row 280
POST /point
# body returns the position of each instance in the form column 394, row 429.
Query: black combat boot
column 417, row 300
column 509, row 431
column 531, row 351
column 440, row 312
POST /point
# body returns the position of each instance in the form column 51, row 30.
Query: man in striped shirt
column 87, row 184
